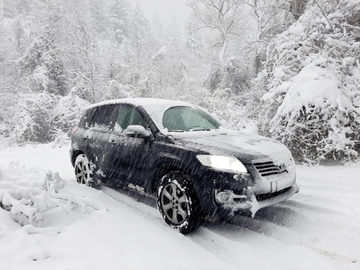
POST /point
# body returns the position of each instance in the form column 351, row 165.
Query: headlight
column 223, row 163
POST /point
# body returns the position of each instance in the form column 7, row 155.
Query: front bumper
column 230, row 194
column 250, row 202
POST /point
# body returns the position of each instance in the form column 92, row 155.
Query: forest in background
column 291, row 68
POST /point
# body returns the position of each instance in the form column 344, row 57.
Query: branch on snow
column 28, row 202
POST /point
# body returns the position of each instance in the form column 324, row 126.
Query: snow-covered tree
column 66, row 113
column 270, row 18
column 42, row 69
column 81, row 49
column 297, row 7
column 32, row 119
column 100, row 21
column 312, row 77
column 225, row 18
column 118, row 17
column 138, row 51
column 8, row 71
column 196, row 57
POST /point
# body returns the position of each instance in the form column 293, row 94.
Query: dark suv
column 180, row 154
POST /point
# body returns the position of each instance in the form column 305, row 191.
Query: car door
column 128, row 156
column 97, row 135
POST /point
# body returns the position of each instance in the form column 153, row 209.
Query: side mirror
column 137, row 131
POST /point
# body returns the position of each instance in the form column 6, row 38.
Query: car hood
column 245, row 146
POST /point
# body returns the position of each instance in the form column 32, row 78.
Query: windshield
column 182, row 119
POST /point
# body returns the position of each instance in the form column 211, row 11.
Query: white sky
column 166, row 10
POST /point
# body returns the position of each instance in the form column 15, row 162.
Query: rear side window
column 100, row 117
column 86, row 119
column 126, row 116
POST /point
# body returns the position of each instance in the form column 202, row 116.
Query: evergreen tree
column 138, row 50
column 100, row 21
column 118, row 16
column 43, row 68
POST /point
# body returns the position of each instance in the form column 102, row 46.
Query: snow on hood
column 245, row 146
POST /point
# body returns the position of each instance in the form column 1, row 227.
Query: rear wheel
column 83, row 171
column 177, row 202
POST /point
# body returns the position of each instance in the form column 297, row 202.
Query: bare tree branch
column 322, row 11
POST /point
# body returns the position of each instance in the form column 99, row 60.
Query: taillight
column 74, row 130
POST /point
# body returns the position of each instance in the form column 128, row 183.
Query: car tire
column 177, row 202
column 83, row 171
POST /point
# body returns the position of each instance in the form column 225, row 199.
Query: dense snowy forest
column 285, row 69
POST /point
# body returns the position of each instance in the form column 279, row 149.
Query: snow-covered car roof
column 155, row 107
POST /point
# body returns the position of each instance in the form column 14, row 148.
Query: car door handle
column 112, row 140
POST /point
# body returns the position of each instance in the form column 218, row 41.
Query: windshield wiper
column 176, row 130
column 200, row 129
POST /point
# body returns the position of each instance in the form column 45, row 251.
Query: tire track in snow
column 224, row 248
column 216, row 238
column 142, row 204
column 304, row 221
column 204, row 236
column 312, row 226
column 147, row 207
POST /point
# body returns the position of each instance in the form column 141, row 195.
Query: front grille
column 267, row 196
column 269, row 168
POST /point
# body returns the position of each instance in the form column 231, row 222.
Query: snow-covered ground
column 318, row 228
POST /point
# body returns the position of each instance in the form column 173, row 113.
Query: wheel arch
column 172, row 165
column 74, row 155
column 162, row 170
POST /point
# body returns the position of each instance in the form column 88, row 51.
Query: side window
column 128, row 115
column 137, row 119
column 82, row 120
column 86, row 119
column 102, row 117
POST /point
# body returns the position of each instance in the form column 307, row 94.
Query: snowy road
column 319, row 228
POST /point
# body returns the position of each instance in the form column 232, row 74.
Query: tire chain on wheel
column 182, row 182
column 90, row 175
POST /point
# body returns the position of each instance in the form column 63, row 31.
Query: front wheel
column 83, row 171
column 177, row 202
